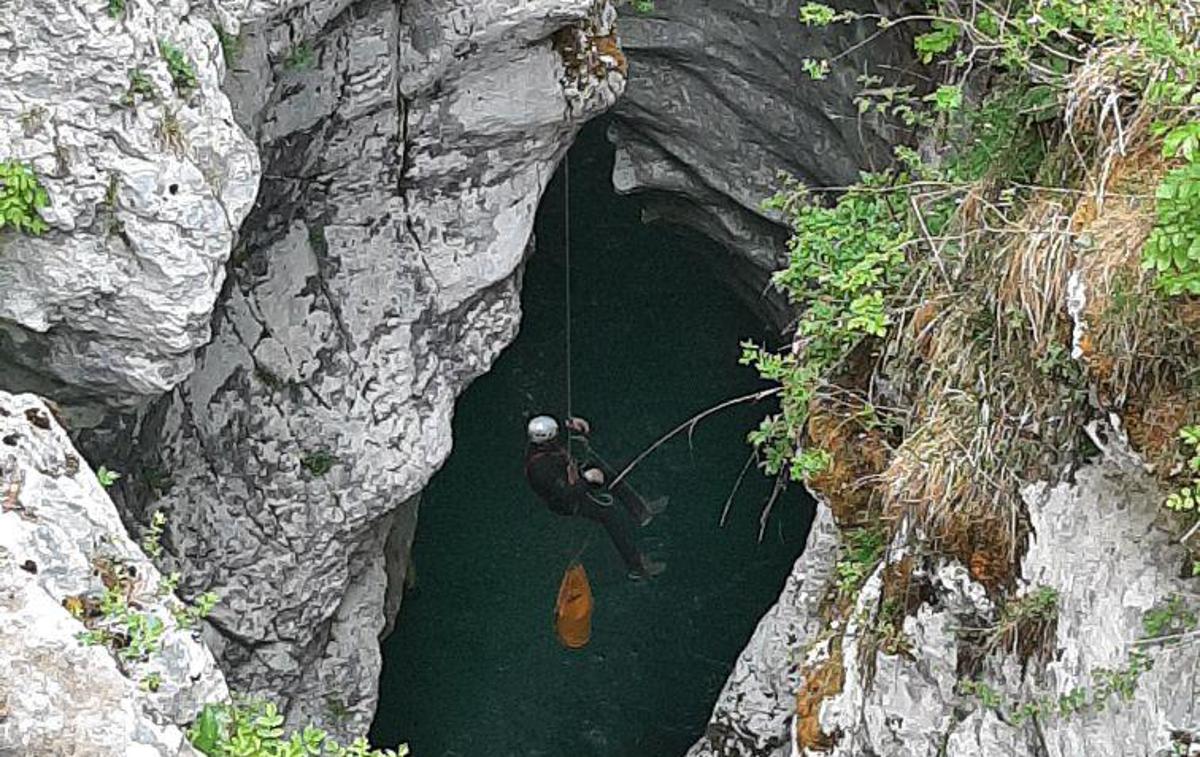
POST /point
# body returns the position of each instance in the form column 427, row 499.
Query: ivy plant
column 1173, row 249
column 21, row 199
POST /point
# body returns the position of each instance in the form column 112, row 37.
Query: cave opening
column 473, row 665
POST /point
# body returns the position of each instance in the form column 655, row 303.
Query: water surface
column 473, row 667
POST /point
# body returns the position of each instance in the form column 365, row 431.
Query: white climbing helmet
column 543, row 428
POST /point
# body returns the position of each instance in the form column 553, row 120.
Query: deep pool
column 473, row 667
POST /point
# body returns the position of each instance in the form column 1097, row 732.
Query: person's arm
column 578, row 425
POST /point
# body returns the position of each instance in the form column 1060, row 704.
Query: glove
column 594, row 476
column 579, row 424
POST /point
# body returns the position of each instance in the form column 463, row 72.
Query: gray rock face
column 754, row 711
column 405, row 148
column 718, row 105
column 57, row 695
column 146, row 189
column 1097, row 542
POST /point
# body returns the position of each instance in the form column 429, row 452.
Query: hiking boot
column 654, row 507
column 649, row 569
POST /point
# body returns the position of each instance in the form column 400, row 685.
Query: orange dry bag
column 573, row 612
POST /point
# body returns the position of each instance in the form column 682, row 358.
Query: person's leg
column 618, row 531
column 630, row 499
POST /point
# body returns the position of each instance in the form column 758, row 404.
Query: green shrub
column 255, row 729
column 845, row 261
column 21, row 198
column 849, row 257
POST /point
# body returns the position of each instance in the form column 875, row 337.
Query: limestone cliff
column 992, row 570
column 62, row 545
column 1097, row 542
column 405, row 148
column 148, row 179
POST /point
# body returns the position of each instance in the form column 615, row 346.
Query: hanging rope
column 567, row 247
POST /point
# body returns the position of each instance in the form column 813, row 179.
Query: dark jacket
column 546, row 468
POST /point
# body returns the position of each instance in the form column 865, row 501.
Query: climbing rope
column 567, row 286
column 567, row 247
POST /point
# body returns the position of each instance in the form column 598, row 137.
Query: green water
column 473, row 667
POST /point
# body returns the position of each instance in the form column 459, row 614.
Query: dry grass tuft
column 950, row 480
column 1140, row 349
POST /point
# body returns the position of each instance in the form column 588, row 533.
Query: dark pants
column 630, row 499
column 617, row 527
column 608, row 516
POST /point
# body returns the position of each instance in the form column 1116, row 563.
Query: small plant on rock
column 231, row 46
column 107, row 477
column 140, row 85
column 1168, row 619
column 190, row 615
column 1107, row 684
column 181, row 68
column 863, row 550
column 21, row 198
column 116, row 620
column 1027, row 623
column 1185, row 499
column 121, row 618
column 300, row 58
column 152, row 541
column 255, row 729
column 318, row 463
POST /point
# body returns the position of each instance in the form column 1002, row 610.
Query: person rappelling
column 554, row 475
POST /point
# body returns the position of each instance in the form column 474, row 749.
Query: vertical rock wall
column 405, row 148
